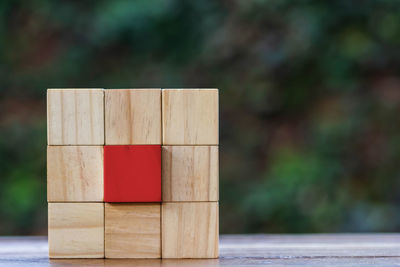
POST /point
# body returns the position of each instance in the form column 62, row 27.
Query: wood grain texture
column 75, row 173
column 190, row 230
column 75, row 116
column 133, row 116
column 236, row 250
column 132, row 230
column 190, row 173
column 76, row 230
column 190, row 116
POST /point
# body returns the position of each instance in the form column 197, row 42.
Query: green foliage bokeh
column 309, row 100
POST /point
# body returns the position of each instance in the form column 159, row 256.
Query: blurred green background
column 309, row 100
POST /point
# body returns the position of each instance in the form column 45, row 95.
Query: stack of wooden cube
column 132, row 173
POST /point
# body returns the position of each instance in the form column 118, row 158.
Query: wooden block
column 190, row 230
column 75, row 173
column 133, row 230
column 133, row 116
column 76, row 230
column 190, row 116
column 132, row 173
column 75, row 116
column 190, row 173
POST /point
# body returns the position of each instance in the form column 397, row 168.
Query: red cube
column 132, row 173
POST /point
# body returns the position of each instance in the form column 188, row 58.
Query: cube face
column 190, row 173
column 76, row 230
column 133, row 116
column 109, row 154
column 132, row 230
column 190, row 230
column 132, row 173
column 190, row 116
column 75, row 173
column 75, row 116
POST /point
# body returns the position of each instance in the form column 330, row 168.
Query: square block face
column 190, row 230
column 190, row 173
column 133, row 116
column 132, row 230
column 190, row 116
column 76, row 230
column 75, row 116
column 75, row 173
column 132, row 173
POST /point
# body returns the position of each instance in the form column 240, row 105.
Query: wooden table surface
column 238, row 250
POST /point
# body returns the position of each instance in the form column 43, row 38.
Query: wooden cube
column 132, row 173
column 75, row 116
column 133, row 116
column 76, row 230
column 132, row 230
column 190, row 173
column 190, row 230
column 75, row 173
column 190, row 116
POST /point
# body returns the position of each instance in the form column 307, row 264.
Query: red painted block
column 132, row 173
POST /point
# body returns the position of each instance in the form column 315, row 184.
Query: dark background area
column 309, row 100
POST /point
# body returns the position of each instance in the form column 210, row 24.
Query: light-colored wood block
column 133, row 230
column 133, row 116
column 75, row 173
column 75, row 116
column 190, row 230
column 190, row 116
column 190, row 173
column 76, row 230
